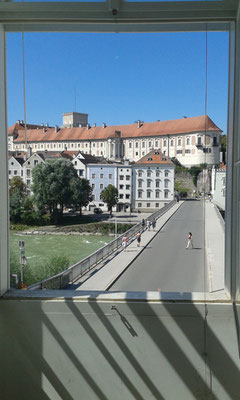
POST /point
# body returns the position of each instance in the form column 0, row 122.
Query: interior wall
column 101, row 350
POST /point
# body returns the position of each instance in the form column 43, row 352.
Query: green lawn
column 40, row 248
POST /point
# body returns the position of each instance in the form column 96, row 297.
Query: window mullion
column 4, row 258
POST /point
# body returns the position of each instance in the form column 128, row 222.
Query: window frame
column 196, row 14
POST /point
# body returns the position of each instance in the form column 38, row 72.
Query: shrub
column 195, row 171
column 33, row 273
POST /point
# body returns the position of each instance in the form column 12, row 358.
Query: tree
column 223, row 143
column 15, row 205
column 176, row 162
column 17, row 183
column 53, row 184
column 18, row 194
column 195, row 171
column 82, row 193
column 109, row 195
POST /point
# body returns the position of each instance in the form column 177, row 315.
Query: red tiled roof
column 155, row 157
column 159, row 128
column 14, row 129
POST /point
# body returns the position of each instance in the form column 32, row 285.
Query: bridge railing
column 74, row 272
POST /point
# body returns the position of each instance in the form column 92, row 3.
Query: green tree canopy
column 82, row 193
column 15, row 205
column 18, row 193
column 17, row 183
column 223, row 143
column 195, row 171
column 109, row 195
column 53, row 186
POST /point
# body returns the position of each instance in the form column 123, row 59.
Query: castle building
column 192, row 141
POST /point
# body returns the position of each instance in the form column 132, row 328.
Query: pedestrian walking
column 190, row 241
column 154, row 224
column 148, row 224
column 124, row 242
column 138, row 237
column 143, row 223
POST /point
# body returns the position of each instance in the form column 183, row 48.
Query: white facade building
column 192, row 141
column 153, row 181
column 15, row 167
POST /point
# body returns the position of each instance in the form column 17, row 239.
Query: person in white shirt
column 190, row 241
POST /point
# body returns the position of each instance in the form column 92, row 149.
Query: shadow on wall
column 102, row 350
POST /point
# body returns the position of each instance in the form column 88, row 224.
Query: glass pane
column 134, row 106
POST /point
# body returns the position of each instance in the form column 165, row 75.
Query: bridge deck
column 163, row 263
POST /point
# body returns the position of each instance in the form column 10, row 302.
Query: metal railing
column 74, row 272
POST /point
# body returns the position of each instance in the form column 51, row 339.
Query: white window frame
column 31, row 17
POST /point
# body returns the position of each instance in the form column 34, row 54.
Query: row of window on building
column 172, row 142
column 144, row 144
column 121, row 177
column 148, row 205
column 157, row 183
column 151, row 194
column 150, row 172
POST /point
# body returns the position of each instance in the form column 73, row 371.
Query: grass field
column 40, row 248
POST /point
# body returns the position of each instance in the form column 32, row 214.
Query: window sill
column 216, row 297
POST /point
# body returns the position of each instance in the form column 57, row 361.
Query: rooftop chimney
column 42, row 124
column 43, row 129
column 104, row 125
column 18, row 122
column 94, row 125
column 47, row 125
column 139, row 123
column 80, row 125
column 88, row 127
column 56, row 128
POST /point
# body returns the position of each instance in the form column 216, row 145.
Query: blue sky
column 117, row 78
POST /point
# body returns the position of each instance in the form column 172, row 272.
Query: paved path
column 106, row 272
column 162, row 262
column 165, row 264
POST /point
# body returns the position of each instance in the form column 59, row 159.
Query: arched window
column 166, row 173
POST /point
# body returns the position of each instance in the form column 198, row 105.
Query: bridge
column 162, row 262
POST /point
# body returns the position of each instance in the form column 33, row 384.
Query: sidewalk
column 215, row 247
column 108, row 271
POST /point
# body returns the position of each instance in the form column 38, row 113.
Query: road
column 165, row 264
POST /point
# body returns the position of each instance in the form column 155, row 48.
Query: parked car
column 97, row 210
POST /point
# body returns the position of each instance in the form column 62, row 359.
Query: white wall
column 73, row 350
